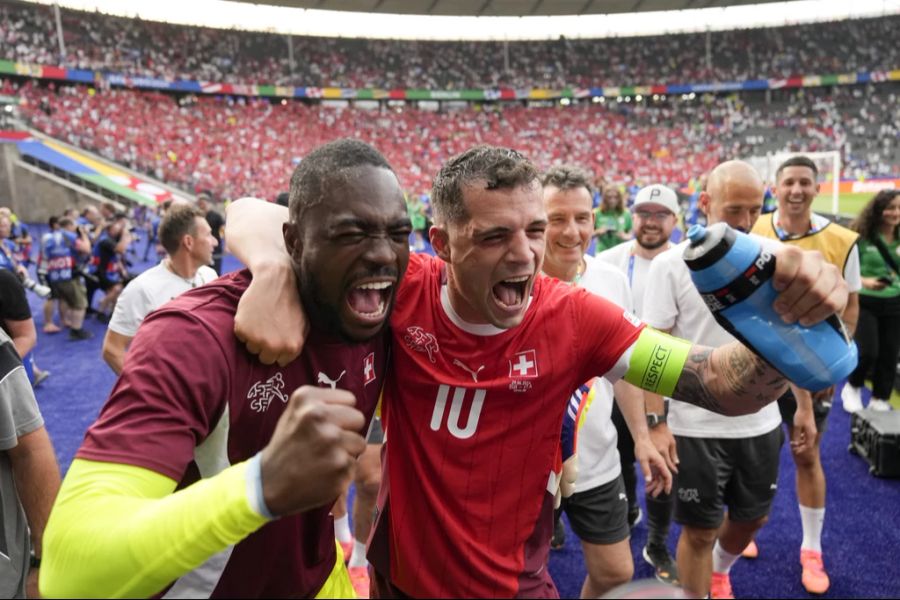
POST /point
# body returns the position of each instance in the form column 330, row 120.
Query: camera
column 41, row 290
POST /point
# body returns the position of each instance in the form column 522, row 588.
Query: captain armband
column 656, row 362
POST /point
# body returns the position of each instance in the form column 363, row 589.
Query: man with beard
column 479, row 329
column 655, row 217
column 204, row 475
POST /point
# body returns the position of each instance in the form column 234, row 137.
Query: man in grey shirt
column 29, row 477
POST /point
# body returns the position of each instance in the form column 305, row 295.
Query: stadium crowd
column 239, row 146
column 141, row 48
column 245, row 146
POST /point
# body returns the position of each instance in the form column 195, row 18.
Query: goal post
column 828, row 163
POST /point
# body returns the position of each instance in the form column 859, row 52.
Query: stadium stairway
column 42, row 176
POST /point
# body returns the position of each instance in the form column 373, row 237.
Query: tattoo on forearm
column 692, row 387
column 731, row 380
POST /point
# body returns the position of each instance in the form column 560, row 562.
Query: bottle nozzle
column 696, row 234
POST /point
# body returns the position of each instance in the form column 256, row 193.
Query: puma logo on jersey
column 332, row 383
column 474, row 374
column 263, row 392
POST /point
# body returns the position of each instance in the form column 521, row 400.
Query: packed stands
column 242, row 146
column 141, row 48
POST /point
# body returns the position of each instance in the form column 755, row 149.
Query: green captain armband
column 657, row 361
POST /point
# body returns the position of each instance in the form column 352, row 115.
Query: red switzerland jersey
column 192, row 401
column 473, row 417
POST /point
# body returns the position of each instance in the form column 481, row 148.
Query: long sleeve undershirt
column 123, row 531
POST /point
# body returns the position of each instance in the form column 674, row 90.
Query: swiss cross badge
column 369, row 368
column 523, row 365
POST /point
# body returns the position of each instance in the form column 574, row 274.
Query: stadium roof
column 499, row 19
column 506, row 8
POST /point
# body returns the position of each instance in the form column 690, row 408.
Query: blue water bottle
column 733, row 274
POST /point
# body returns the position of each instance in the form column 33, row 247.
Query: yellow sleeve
column 122, row 531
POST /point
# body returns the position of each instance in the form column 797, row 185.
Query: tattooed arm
column 730, row 380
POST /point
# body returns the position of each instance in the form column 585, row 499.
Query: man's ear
column 187, row 242
column 703, row 202
column 440, row 241
column 292, row 240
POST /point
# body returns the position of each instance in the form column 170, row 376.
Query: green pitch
column 848, row 204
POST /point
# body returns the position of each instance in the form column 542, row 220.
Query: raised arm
column 731, row 379
column 120, row 530
column 270, row 318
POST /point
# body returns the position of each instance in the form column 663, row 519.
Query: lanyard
column 784, row 235
column 631, row 269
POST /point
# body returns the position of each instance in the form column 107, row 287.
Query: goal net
column 828, row 163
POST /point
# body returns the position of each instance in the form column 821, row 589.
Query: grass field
column 848, row 204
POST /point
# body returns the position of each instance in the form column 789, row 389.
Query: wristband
column 35, row 561
column 255, row 487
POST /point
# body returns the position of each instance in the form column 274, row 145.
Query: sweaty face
column 796, row 189
column 351, row 251
column 204, row 242
column 569, row 229
column 495, row 255
column 653, row 225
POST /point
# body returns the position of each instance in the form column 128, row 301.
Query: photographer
column 9, row 252
column 107, row 263
column 60, row 254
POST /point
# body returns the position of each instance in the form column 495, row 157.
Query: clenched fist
column 313, row 451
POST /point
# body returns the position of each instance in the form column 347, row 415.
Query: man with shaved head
column 724, row 461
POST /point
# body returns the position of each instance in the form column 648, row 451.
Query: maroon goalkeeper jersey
column 192, row 401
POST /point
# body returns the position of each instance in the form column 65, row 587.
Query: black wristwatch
column 654, row 419
column 35, row 561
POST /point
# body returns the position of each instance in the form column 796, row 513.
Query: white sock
column 813, row 520
column 358, row 558
column 342, row 529
column 722, row 559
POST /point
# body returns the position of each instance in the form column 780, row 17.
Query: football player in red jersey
column 473, row 417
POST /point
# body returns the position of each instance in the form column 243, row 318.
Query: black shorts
column 740, row 473
column 599, row 515
column 787, row 406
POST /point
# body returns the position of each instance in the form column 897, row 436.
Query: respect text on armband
column 653, row 373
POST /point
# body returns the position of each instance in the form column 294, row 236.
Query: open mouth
column 510, row 293
column 368, row 301
column 572, row 246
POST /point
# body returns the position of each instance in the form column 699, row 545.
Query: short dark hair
column 798, row 161
column 179, row 221
column 495, row 168
column 283, row 199
column 64, row 222
column 53, row 221
column 325, row 167
column 568, row 177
